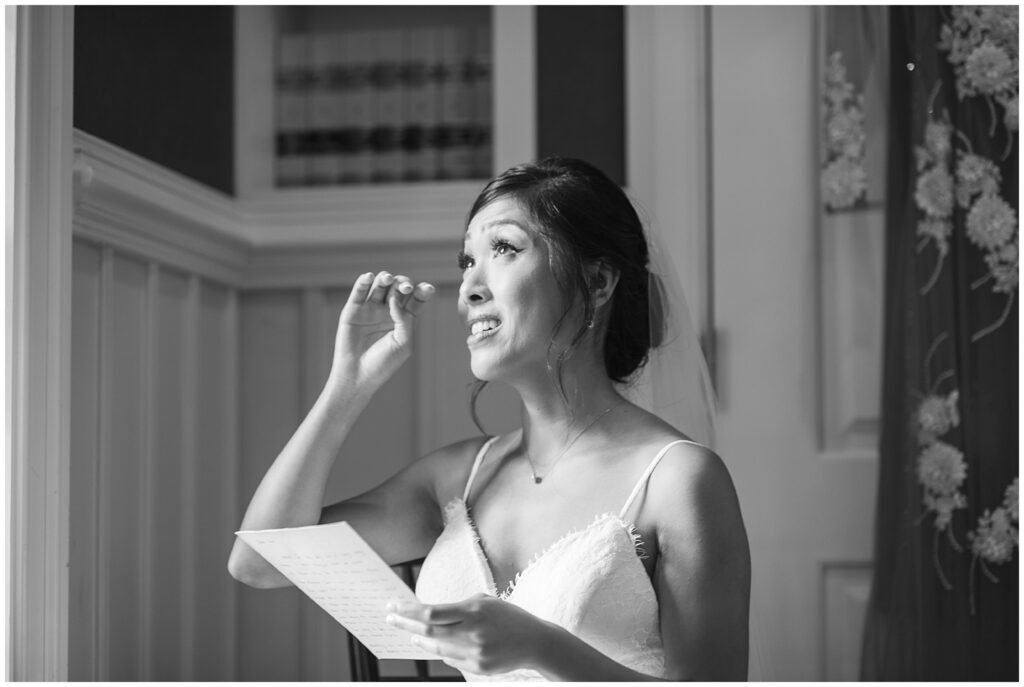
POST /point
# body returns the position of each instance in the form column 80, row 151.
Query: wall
column 154, row 352
column 159, row 81
column 188, row 375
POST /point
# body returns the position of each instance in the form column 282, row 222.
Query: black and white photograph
column 607, row 342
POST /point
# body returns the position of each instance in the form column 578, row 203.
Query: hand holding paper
column 344, row 576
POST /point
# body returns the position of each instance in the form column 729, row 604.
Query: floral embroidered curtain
column 944, row 600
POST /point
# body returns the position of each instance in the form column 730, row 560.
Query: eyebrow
column 499, row 222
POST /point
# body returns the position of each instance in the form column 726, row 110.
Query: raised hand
column 374, row 333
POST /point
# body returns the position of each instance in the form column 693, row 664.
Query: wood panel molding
column 232, row 443
column 850, row 247
column 39, row 73
column 305, row 238
column 189, row 474
column 147, row 534
column 103, row 451
column 845, row 588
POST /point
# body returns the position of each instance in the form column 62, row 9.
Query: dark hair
column 585, row 218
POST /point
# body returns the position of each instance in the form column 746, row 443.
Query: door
column 807, row 494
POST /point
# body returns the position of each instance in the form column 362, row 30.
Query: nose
column 473, row 290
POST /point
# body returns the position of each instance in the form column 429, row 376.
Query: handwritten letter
column 344, row 576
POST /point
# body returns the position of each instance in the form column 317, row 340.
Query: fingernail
column 405, row 288
column 390, row 619
column 391, row 606
column 429, row 288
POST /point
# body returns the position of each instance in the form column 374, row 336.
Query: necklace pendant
column 537, row 480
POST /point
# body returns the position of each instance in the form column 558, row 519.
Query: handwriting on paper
column 338, row 570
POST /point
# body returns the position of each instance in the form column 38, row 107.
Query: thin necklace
column 537, row 479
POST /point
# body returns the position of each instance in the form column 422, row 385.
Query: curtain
column 944, row 598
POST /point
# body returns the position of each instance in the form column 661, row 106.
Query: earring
column 590, row 324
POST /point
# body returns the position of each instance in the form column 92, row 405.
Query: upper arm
column 703, row 571
column 401, row 518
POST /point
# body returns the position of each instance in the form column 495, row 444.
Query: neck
column 549, row 423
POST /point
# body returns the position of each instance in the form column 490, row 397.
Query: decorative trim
column 106, row 419
column 315, row 334
column 293, row 239
column 39, row 77
column 515, row 103
column 189, row 445
column 326, row 266
column 824, row 568
column 311, row 338
column 846, row 428
column 669, row 146
column 232, row 430
column 360, row 214
column 147, row 534
column 146, row 210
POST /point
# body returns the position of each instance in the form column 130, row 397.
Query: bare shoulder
column 692, row 500
column 447, row 468
column 691, row 468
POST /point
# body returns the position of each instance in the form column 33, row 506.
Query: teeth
column 482, row 326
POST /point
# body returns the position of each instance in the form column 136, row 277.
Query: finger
column 398, row 314
column 420, row 295
column 430, row 613
column 405, row 287
column 421, row 628
column 381, row 284
column 361, row 288
column 441, row 648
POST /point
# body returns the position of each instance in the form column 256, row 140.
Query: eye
column 503, row 247
column 465, row 260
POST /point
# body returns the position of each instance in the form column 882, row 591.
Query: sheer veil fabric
column 675, row 385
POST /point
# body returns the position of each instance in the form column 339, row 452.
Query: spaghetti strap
column 476, row 464
column 647, row 474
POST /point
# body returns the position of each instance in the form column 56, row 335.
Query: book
column 422, row 102
column 482, row 139
column 357, row 107
column 325, row 107
column 456, row 103
column 292, row 110
column 388, row 111
column 338, row 570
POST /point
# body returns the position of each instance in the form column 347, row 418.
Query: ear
column 603, row 279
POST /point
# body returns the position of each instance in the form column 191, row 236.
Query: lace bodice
column 590, row 581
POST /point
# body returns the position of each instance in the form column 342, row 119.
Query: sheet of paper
column 336, row 568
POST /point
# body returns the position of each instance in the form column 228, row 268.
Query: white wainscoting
column 153, row 463
column 195, row 355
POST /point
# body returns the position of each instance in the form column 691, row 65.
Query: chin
column 484, row 371
column 494, row 364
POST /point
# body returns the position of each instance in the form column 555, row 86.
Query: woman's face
column 509, row 299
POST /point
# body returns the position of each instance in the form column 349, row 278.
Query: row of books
column 387, row 105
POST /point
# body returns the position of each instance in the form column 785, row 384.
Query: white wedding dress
column 591, row 581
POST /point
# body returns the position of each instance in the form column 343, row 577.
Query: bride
column 596, row 542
